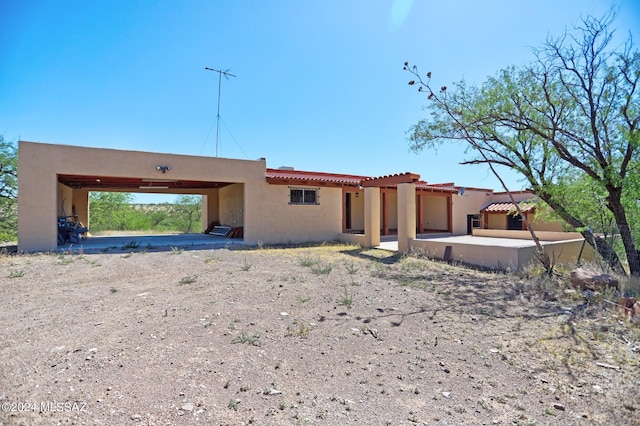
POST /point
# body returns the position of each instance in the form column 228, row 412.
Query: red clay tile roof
column 391, row 180
column 525, row 206
column 299, row 175
column 440, row 187
column 292, row 176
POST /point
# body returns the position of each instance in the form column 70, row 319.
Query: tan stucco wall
column 526, row 235
column 561, row 252
column 231, row 205
column 497, row 221
column 499, row 257
column 277, row 221
column 435, row 212
column 503, row 197
column 81, row 204
column 357, row 210
column 372, row 216
column 406, row 215
column 392, row 210
column 64, row 201
column 358, row 239
column 495, row 257
column 39, row 165
column 468, row 203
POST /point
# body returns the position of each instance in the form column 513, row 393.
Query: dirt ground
column 328, row 335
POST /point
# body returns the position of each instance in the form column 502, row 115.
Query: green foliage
column 111, row 211
column 8, row 190
column 568, row 123
column 114, row 211
column 187, row 213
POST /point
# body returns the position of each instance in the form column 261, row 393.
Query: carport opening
column 123, row 213
column 111, row 206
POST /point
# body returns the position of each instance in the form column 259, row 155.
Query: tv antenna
column 226, row 74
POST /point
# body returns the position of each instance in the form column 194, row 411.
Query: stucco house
column 271, row 205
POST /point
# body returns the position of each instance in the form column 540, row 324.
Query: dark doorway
column 514, row 222
column 473, row 221
column 347, row 210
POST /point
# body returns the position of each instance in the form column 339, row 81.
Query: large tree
column 8, row 190
column 573, row 112
column 111, row 211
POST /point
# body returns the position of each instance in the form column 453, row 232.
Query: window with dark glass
column 303, row 196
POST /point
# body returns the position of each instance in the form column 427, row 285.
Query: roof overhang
column 390, row 180
column 509, row 208
column 130, row 184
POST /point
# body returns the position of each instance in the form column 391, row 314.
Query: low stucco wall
column 526, row 235
column 494, row 257
column 560, row 252
column 502, row 257
column 357, row 239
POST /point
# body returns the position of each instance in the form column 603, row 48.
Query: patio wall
column 358, row 239
column 526, row 235
column 504, row 257
column 494, row 257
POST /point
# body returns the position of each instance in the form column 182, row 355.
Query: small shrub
column 233, row 404
column 16, row 273
column 377, row 270
column 248, row 339
column 347, row 299
column 308, row 261
column 351, row 268
column 321, row 269
column 189, row 279
column 246, row 265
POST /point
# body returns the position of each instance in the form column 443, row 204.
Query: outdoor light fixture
column 163, row 169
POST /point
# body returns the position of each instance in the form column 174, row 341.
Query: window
column 303, row 196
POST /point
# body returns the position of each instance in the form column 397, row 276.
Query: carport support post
column 406, row 216
column 372, row 216
column 80, row 199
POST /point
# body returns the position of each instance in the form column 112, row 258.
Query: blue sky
column 319, row 84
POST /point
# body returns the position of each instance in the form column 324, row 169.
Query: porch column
column 406, row 216
column 372, row 216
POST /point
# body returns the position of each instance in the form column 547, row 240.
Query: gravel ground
column 327, row 335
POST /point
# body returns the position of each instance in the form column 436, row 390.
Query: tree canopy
column 567, row 123
column 8, row 190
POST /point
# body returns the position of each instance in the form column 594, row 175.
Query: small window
column 303, row 196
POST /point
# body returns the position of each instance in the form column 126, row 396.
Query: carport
column 55, row 180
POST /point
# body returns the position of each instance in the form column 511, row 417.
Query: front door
column 347, row 210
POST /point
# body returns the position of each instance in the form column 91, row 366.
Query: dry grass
column 377, row 339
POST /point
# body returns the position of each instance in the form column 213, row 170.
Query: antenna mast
column 226, row 75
